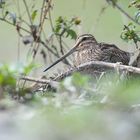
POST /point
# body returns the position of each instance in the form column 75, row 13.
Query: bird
column 88, row 49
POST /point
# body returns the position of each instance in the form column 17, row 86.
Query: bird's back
column 114, row 54
column 101, row 52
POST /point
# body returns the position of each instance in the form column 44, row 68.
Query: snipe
column 88, row 49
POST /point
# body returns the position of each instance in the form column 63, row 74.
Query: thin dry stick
column 59, row 40
column 126, row 14
column 23, row 29
column 112, row 66
column 101, row 65
column 42, row 81
column 47, row 6
column 52, row 27
column 92, row 64
column 36, row 46
column 123, row 11
column 28, row 13
column 49, row 49
column 11, row 23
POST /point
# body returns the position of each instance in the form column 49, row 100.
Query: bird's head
column 82, row 42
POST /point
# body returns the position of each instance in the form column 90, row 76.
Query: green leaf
column 79, row 80
column 28, row 68
column 135, row 3
column 33, row 15
column 64, row 27
column 130, row 34
column 7, row 76
column 71, row 33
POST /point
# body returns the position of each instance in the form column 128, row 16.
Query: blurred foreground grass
column 82, row 108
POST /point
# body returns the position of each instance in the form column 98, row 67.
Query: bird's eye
column 84, row 38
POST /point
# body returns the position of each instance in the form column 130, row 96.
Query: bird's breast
column 86, row 55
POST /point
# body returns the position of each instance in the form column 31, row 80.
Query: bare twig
column 43, row 15
column 27, row 31
column 93, row 65
column 42, row 81
column 11, row 23
column 111, row 66
column 27, row 9
column 96, row 65
column 50, row 50
column 61, row 46
column 42, row 19
column 123, row 11
column 59, row 38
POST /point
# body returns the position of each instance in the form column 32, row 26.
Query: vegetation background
column 105, row 26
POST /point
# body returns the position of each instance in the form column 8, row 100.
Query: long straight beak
column 64, row 56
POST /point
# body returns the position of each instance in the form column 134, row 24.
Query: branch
column 40, row 41
column 123, row 11
column 47, row 6
column 10, row 23
column 98, row 67
column 52, row 83
column 28, row 13
column 49, row 49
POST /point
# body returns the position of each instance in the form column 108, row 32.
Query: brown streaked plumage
column 88, row 49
